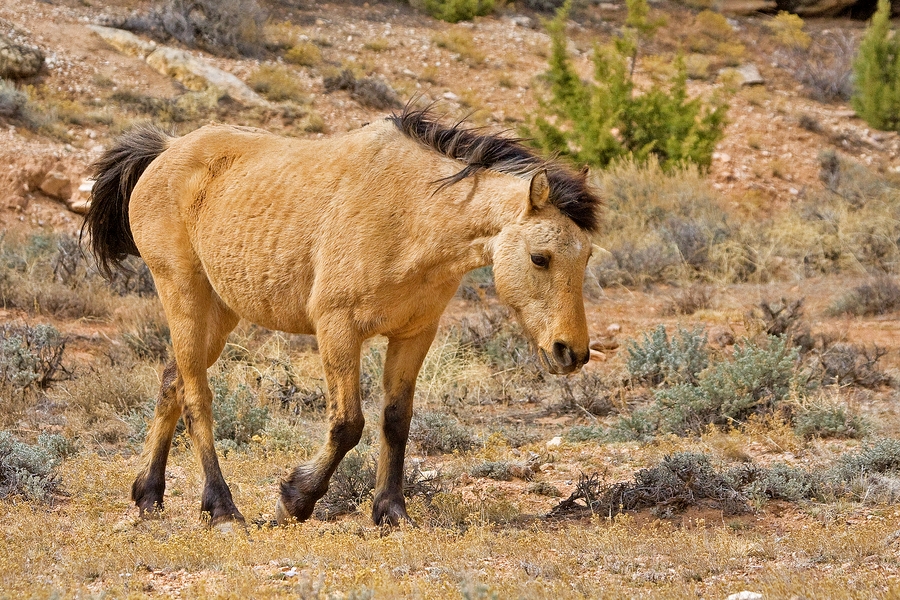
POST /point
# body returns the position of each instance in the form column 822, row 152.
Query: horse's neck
column 468, row 215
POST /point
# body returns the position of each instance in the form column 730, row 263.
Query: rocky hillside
column 322, row 68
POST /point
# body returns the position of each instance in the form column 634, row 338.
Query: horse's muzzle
column 562, row 360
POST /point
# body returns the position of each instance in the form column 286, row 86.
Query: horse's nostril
column 563, row 354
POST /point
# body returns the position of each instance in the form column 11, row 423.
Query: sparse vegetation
column 436, row 432
column 227, row 27
column 454, row 11
column 462, row 44
column 876, row 297
column 368, row 91
column 276, row 83
column 305, row 54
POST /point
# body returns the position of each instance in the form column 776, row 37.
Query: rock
column 597, row 355
column 79, row 206
column 744, row 75
column 744, row 7
column 450, row 96
column 195, row 73
column 57, row 185
column 555, row 442
column 604, row 345
column 522, row 21
column 198, row 75
column 613, row 328
column 745, row 595
column 750, row 75
column 18, row 61
column 124, row 41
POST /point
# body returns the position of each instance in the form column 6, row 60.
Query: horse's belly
column 271, row 303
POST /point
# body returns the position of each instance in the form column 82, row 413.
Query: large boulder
column 198, row 75
column 124, row 41
column 18, row 61
column 194, row 73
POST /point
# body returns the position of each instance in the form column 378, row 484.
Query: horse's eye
column 540, row 260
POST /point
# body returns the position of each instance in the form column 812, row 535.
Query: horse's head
column 539, row 264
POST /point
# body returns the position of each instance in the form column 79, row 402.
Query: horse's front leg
column 401, row 367
column 307, row 483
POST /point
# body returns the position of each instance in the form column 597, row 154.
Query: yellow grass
column 91, row 544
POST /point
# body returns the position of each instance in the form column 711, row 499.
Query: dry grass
column 276, row 83
column 98, row 547
column 461, row 43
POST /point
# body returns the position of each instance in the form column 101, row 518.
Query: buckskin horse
column 363, row 234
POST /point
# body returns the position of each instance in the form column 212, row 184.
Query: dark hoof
column 294, row 509
column 148, row 498
column 390, row 511
column 298, row 497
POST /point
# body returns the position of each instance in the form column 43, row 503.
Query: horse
column 362, row 234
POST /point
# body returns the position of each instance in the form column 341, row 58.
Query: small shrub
column 598, row 122
column 30, row 470
column 500, row 470
column 352, row 484
column 828, row 420
column 435, row 432
column 657, row 359
column 879, row 296
column 276, row 83
column 788, row 31
column 236, row 412
column 680, row 481
column 454, row 11
column 305, row 54
column 368, row 91
column 877, row 77
column 755, row 381
column 462, row 43
column 377, row 45
column 881, row 456
column 31, row 357
column 640, row 426
column 585, row 433
column 711, row 30
column 226, row 27
column 826, row 68
column 543, row 488
column 14, row 103
column 687, row 301
column 779, row 482
column 847, row 364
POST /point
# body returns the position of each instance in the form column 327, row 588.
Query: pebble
column 745, row 595
column 555, row 442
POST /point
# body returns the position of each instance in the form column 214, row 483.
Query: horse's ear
column 539, row 191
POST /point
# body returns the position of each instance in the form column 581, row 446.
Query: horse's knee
column 345, row 434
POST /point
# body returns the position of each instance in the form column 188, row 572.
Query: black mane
column 568, row 191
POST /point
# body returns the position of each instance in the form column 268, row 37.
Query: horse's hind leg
column 401, row 367
column 300, row 490
column 200, row 324
column 150, row 484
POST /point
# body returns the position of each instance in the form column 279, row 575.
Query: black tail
column 116, row 174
